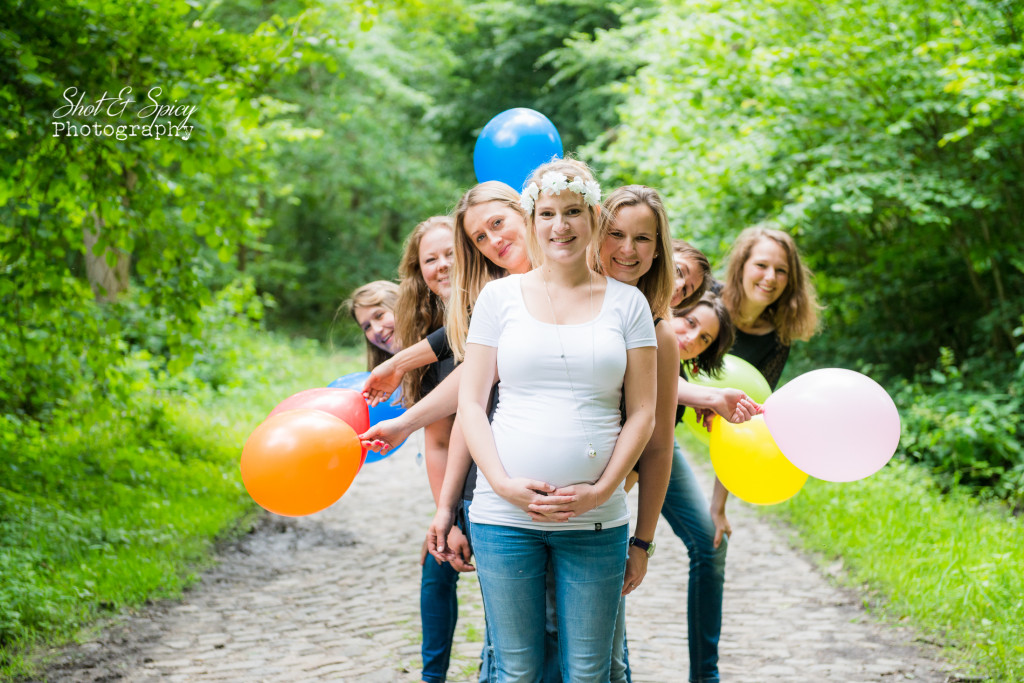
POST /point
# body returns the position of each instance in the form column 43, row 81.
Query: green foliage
column 170, row 205
column 966, row 433
column 376, row 169
column 943, row 560
column 886, row 135
column 539, row 55
column 110, row 505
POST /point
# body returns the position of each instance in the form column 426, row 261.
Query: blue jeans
column 512, row 566
column 439, row 610
column 686, row 511
column 486, row 658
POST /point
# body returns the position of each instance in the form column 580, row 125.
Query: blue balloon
column 512, row 144
column 378, row 413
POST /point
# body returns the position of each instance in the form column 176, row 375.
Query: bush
column 966, row 432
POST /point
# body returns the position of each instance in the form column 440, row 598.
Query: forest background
column 153, row 291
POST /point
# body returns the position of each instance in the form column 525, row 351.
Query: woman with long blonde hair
column 633, row 246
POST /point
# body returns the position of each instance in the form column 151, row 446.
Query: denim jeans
column 620, row 672
column 439, row 610
column 512, row 567
column 687, row 512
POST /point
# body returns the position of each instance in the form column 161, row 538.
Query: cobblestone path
column 335, row 597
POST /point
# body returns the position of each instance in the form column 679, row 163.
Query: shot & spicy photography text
column 121, row 116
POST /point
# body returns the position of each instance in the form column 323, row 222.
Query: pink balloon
column 834, row 424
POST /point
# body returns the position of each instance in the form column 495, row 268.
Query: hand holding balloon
column 379, row 413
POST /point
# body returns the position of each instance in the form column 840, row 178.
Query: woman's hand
column 437, row 533
column 722, row 525
column 385, row 435
column 526, row 494
column 382, row 382
column 566, row 503
column 734, row 405
column 636, row 569
column 459, row 552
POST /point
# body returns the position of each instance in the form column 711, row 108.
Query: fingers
column 550, row 516
column 718, row 538
column 381, row 447
column 460, row 565
column 540, row 486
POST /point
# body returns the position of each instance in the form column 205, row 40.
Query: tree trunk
column 106, row 281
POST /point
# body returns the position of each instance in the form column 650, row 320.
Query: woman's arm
column 440, row 402
column 640, row 387
column 655, row 462
column 386, row 377
column 436, row 440
column 440, row 543
column 722, row 526
column 731, row 404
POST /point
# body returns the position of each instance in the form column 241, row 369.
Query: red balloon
column 300, row 461
column 346, row 404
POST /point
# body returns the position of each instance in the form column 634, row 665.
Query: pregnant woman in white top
column 566, row 344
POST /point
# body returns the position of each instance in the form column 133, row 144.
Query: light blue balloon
column 512, row 144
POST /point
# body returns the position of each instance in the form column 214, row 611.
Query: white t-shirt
column 538, row 430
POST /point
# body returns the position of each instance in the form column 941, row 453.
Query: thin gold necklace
column 591, row 451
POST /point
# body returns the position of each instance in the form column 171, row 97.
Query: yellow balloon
column 750, row 465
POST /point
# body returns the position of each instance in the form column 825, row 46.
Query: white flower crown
column 553, row 183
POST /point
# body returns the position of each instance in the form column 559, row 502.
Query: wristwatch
column 646, row 546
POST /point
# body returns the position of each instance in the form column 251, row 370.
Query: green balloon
column 736, row 374
column 696, row 428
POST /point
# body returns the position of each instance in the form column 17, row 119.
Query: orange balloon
column 300, row 461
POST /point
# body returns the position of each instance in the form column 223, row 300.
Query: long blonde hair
column 795, row 313
column 472, row 269
column 657, row 283
column 382, row 293
column 419, row 311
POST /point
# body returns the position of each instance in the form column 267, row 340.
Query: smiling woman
column 372, row 306
column 771, row 298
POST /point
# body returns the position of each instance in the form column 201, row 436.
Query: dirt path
column 335, row 597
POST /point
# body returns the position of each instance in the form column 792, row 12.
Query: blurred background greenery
column 148, row 284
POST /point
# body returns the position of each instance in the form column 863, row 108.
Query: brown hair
column 795, row 313
column 692, row 253
column 377, row 293
column 711, row 360
column 472, row 269
column 656, row 284
column 419, row 311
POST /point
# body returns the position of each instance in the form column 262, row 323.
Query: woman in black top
column 425, row 271
column 771, row 299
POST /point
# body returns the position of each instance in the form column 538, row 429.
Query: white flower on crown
column 530, row 194
column 553, row 182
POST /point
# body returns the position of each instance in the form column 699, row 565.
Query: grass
column 949, row 564
column 107, row 507
column 944, row 562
